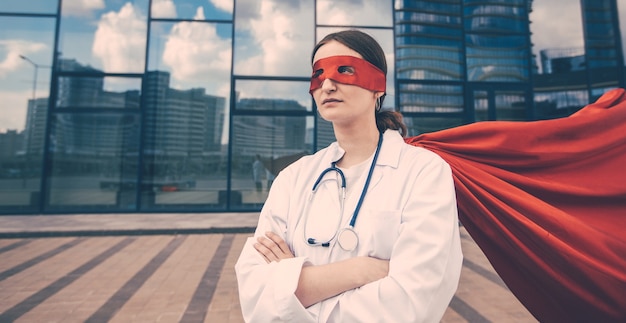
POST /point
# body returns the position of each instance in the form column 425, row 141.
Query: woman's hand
column 272, row 247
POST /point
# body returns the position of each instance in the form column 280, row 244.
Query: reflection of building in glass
column 429, row 46
column 104, row 135
column 183, row 129
column 496, row 40
column 603, row 47
column 562, row 60
column 11, row 143
column 572, row 78
column 35, row 128
column 181, row 122
column 279, row 135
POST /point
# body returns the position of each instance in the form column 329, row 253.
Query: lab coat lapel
column 389, row 156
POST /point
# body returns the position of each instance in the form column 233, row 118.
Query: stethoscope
column 347, row 238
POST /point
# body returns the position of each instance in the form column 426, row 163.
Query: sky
column 272, row 38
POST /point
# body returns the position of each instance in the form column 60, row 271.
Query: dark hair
column 371, row 51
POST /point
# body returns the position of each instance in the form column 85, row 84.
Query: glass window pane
column 26, row 49
column 261, row 95
column 385, row 38
column 274, row 40
column 429, row 40
column 31, row 6
column 192, row 9
column 185, row 161
column 495, row 18
column 431, row 98
column 604, row 60
column 194, row 55
column 366, row 13
column 94, row 161
column 510, row 105
column 275, row 141
column 481, row 106
column 560, row 80
column 557, row 104
column 496, row 58
column 98, row 92
column 420, row 124
column 110, row 37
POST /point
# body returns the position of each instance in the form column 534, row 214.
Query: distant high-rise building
column 35, row 128
column 258, row 135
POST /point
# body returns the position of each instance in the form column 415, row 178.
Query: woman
column 390, row 250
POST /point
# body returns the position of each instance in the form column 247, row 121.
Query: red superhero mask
column 348, row 70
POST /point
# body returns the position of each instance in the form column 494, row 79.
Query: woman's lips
column 330, row 100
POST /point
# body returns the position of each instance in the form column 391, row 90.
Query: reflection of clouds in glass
column 196, row 54
column 13, row 50
column 226, row 5
column 119, row 41
column 556, row 24
column 163, row 9
column 81, row 8
column 342, row 13
column 298, row 91
column 280, row 41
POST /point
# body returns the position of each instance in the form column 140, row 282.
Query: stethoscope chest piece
column 348, row 239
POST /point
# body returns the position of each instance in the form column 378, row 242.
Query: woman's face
column 343, row 104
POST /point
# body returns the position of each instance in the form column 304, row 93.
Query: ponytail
column 389, row 119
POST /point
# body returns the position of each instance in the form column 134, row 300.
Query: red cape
column 546, row 203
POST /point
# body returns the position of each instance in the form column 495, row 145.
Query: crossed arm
column 318, row 283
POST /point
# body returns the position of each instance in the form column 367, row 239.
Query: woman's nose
column 329, row 85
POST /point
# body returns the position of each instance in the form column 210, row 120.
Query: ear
column 378, row 94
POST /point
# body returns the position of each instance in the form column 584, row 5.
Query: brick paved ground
column 176, row 278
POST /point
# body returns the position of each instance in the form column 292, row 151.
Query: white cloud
column 195, row 53
column 163, row 9
column 119, row 41
column 81, row 8
column 226, row 5
column 15, row 48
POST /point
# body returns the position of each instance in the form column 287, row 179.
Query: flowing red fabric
column 546, row 203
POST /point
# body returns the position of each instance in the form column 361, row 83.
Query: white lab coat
column 408, row 216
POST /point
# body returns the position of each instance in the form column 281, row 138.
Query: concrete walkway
column 167, row 268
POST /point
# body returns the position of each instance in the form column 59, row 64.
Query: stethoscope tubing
column 334, row 168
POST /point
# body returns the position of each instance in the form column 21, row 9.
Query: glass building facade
column 196, row 105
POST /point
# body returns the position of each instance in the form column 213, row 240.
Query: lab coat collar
column 389, row 153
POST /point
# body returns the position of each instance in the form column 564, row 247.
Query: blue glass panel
column 420, row 124
column 273, row 96
column 31, row 6
column 275, row 141
column 94, row 161
column 98, row 92
column 26, row 49
column 110, row 37
column 431, row 98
